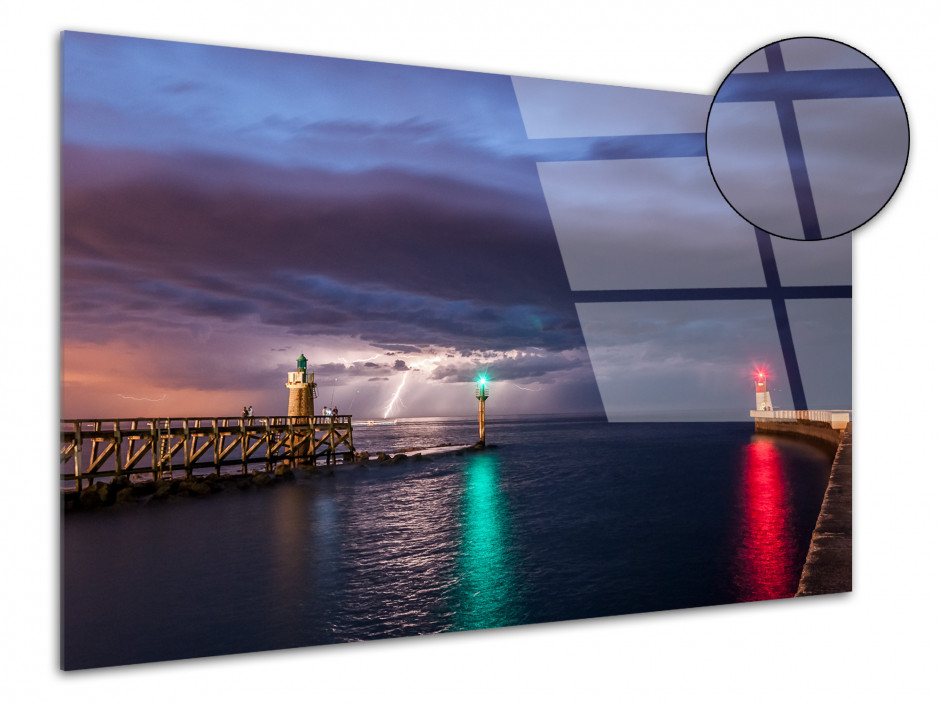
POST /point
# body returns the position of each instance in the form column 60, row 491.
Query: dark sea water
column 565, row 519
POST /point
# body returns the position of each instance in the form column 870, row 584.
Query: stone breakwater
column 828, row 566
column 122, row 490
column 815, row 431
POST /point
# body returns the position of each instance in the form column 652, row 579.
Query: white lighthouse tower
column 763, row 396
column 302, row 390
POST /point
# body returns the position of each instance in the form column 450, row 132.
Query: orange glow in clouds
column 117, row 380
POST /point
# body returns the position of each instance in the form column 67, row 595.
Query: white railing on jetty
column 837, row 419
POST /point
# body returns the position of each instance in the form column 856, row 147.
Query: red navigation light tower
column 482, row 392
column 763, row 396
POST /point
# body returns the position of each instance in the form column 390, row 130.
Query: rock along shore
column 122, row 490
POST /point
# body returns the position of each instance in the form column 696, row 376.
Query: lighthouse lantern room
column 763, row 396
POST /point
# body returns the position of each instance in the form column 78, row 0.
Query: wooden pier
column 98, row 448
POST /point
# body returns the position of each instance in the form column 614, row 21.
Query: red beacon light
column 760, row 387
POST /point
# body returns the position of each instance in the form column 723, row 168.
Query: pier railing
column 99, row 448
column 835, row 419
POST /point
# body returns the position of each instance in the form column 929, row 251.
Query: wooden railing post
column 130, row 443
column 244, row 439
column 331, row 458
column 166, row 455
column 118, row 462
column 292, row 441
column 94, row 445
column 77, row 426
column 187, row 450
column 155, row 448
column 217, row 442
column 267, row 440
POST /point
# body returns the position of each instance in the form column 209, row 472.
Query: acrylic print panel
column 541, row 327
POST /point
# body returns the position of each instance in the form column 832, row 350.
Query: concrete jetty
column 828, row 566
column 826, row 427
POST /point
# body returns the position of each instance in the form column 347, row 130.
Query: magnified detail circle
column 807, row 138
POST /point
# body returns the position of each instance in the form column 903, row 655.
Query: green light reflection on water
column 484, row 572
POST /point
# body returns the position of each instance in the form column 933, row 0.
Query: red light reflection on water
column 766, row 554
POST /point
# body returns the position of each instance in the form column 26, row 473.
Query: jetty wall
column 825, row 427
column 817, row 431
column 828, row 565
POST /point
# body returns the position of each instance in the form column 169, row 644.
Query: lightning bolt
column 353, row 362
column 124, row 396
column 528, row 389
column 421, row 364
column 395, row 396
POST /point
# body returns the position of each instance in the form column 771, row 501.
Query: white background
column 879, row 642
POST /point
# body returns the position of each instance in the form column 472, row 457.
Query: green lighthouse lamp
column 482, row 392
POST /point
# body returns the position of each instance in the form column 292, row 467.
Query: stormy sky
column 225, row 210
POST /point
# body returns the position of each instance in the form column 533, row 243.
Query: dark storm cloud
column 412, row 145
column 335, row 373
column 284, row 109
column 388, row 315
column 525, row 367
column 375, row 226
column 397, row 348
column 395, row 258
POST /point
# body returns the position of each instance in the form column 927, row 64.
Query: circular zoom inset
column 807, row 138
